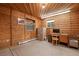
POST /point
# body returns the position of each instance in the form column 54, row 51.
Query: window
column 50, row 23
column 30, row 25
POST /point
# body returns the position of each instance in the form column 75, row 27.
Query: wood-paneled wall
column 10, row 31
column 63, row 22
column 68, row 23
column 74, row 21
column 4, row 27
column 17, row 29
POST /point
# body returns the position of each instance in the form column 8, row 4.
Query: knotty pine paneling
column 19, row 32
column 17, row 29
column 67, row 23
column 4, row 30
column 62, row 22
column 4, row 10
column 74, row 21
column 10, row 31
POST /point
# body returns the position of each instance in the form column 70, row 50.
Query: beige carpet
column 40, row 48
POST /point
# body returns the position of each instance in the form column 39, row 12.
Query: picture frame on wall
column 21, row 21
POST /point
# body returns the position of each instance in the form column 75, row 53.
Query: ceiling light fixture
column 55, row 14
column 43, row 5
column 50, row 20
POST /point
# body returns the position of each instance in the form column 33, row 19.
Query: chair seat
column 54, row 38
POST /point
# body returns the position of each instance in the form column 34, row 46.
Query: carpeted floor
column 39, row 48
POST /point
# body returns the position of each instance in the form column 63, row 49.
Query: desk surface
column 55, row 34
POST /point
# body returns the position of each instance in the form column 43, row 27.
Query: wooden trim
column 26, row 41
column 10, row 27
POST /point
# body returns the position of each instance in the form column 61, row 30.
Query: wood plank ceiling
column 36, row 9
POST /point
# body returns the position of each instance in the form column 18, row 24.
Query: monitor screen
column 56, row 30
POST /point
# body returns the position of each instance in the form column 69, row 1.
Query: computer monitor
column 56, row 30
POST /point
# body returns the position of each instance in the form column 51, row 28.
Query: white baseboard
column 26, row 41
